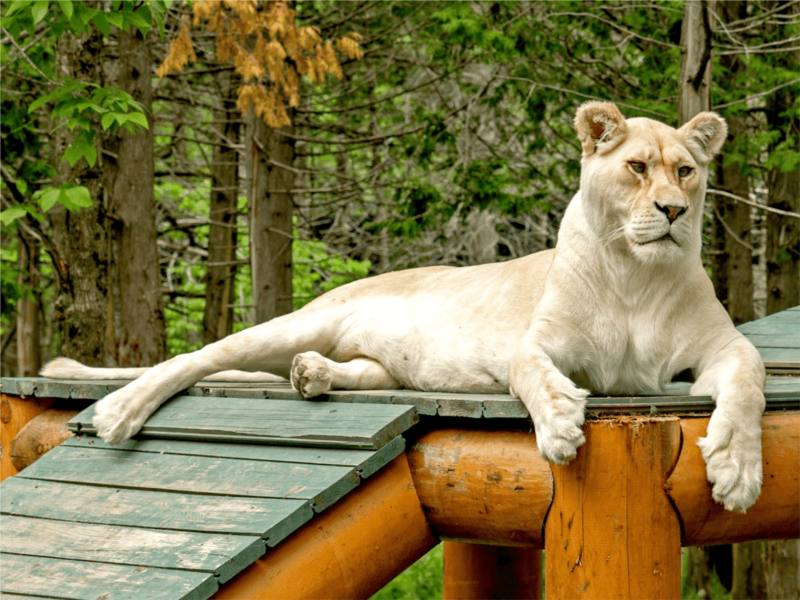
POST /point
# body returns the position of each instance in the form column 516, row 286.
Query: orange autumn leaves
column 267, row 49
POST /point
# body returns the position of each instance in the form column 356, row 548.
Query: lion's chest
column 631, row 355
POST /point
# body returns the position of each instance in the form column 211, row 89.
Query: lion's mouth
column 664, row 238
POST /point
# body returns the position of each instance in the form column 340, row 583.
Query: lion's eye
column 684, row 171
column 638, row 167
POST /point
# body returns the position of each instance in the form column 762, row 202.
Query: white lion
column 620, row 306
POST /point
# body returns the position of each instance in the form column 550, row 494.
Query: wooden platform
column 226, row 473
column 174, row 518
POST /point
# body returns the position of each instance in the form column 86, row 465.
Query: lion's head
column 643, row 182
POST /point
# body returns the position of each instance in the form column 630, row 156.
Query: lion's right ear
column 600, row 127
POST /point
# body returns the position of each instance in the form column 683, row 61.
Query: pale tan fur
column 620, row 306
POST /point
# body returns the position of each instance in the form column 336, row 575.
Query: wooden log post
column 474, row 571
column 15, row 413
column 612, row 531
column 43, row 433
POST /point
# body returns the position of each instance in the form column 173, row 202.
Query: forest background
column 144, row 214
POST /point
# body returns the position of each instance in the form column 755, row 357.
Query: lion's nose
column 672, row 212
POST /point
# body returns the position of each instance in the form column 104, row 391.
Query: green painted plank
column 774, row 341
column 31, row 575
column 271, row 519
column 222, row 555
column 365, row 462
column 321, row 484
column 771, row 326
column 781, row 355
column 305, row 423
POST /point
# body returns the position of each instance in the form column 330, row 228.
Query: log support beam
column 15, row 413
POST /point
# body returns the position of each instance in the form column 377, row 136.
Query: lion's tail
column 66, row 368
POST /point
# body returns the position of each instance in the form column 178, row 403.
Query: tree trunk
column 29, row 355
column 748, row 572
column 222, row 239
column 695, row 74
column 783, row 233
column 140, row 334
column 271, row 210
column 82, row 238
column 732, row 219
column 782, row 562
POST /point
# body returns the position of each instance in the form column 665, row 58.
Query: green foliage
column 421, row 581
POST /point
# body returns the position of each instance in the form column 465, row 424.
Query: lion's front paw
column 559, row 424
column 733, row 462
column 113, row 419
column 311, row 375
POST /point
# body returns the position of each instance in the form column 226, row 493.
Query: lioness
column 620, row 306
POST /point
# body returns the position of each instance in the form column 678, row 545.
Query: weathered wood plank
column 37, row 576
column 774, row 341
column 321, row 484
column 365, row 462
column 771, row 326
column 222, row 555
column 271, row 519
column 263, row 421
column 785, row 356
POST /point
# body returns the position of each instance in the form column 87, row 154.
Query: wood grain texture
column 776, row 513
column 483, row 486
column 350, row 551
column 222, row 555
column 321, row 484
column 365, row 462
column 611, row 531
column 263, row 421
column 268, row 518
column 42, row 433
column 15, row 413
column 481, row 571
column 37, row 576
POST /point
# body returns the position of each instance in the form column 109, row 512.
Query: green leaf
column 16, row 6
column 139, row 119
column 47, row 198
column 108, row 119
column 137, row 20
column 117, row 20
column 10, row 215
column 39, row 10
column 81, row 147
column 22, row 186
column 79, row 196
column 66, row 7
column 102, row 24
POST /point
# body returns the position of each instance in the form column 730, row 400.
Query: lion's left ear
column 704, row 135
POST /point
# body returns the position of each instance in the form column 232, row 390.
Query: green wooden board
column 787, row 357
column 268, row 518
column 262, row 421
column 222, row 555
column 365, row 462
column 31, row 575
column 771, row 326
column 774, row 341
column 323, row 485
